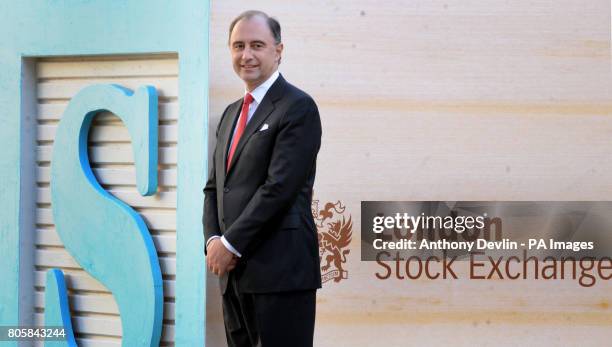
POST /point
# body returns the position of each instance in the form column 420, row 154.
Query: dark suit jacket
column 263, row 205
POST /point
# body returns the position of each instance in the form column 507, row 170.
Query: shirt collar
column 261, row 90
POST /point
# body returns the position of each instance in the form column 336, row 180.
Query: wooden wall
column 95, row 315
column 446, row 100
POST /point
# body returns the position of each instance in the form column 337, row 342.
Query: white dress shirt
column 258, row 95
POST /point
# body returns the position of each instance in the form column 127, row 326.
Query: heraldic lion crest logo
column 334, row 233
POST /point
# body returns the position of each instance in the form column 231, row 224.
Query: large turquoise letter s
column 105, row 236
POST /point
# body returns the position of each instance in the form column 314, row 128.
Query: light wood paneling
column 446, row 100
column 95, row 314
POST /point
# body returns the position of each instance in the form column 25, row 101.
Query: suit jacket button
column 226, row 189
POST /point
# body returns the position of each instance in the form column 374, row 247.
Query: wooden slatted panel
column 445, row 100
column 95, row 314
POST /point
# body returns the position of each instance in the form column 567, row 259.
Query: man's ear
column 279, row 52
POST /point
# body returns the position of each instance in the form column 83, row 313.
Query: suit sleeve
column 210, row 216
column 293, row 158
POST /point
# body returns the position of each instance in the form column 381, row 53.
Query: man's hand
column 219, row 259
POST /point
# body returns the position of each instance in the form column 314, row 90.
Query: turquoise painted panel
column 105, row 236
column 9, row 195
column 67, row 28
column 57, row 311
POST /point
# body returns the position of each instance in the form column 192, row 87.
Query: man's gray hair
column 273, row 24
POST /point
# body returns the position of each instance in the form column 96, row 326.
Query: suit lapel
column 263, row 111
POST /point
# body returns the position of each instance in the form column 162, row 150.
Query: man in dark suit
column 261, row 239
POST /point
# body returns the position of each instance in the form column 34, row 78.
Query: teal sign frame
column 35, row 28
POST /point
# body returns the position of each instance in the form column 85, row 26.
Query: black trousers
column 269, row 319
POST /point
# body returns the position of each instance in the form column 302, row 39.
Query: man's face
column 255, row 55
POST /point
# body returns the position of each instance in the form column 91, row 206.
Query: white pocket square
column 264, row 127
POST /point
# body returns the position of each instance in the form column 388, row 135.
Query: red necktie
column 242, row 121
